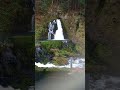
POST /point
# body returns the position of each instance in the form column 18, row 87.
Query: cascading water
column 59, row 33
column 50, row 33
column 72, row 63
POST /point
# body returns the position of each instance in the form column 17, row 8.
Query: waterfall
column 51, row 27
column 59, row 33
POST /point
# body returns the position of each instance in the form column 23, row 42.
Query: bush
column 60, row 61
column 65, row 5
column 44, row 5
column 40, row 31
column 51, row 44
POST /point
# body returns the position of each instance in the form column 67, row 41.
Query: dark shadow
column 17, row 48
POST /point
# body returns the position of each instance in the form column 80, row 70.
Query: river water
column 62, row 81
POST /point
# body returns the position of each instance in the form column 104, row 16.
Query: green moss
column 58, row 50
column 80, row 50
column 51, row 44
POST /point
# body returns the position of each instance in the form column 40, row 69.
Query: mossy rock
column 51, row 44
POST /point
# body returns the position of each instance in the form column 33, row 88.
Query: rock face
column 104, row 82
column 16, row 15
column 102, row 25
column 8, row 61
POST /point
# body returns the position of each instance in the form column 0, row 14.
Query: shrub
column 51, row 44
column 60, row 60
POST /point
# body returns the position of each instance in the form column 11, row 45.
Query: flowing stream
column 78, row 62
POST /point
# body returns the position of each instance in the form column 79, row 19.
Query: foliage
column 44, row 5
column 81, row 1
column 58, row 50
column 60, row 61
column 51, row 44
column 39, row 32
column 64, row 53
column 65, row 5
column 80, row 50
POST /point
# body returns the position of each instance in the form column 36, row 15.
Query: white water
column 79, row 62
column 59, row 33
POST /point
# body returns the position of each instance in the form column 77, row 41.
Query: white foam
column 74, row 65
column 59, row 33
